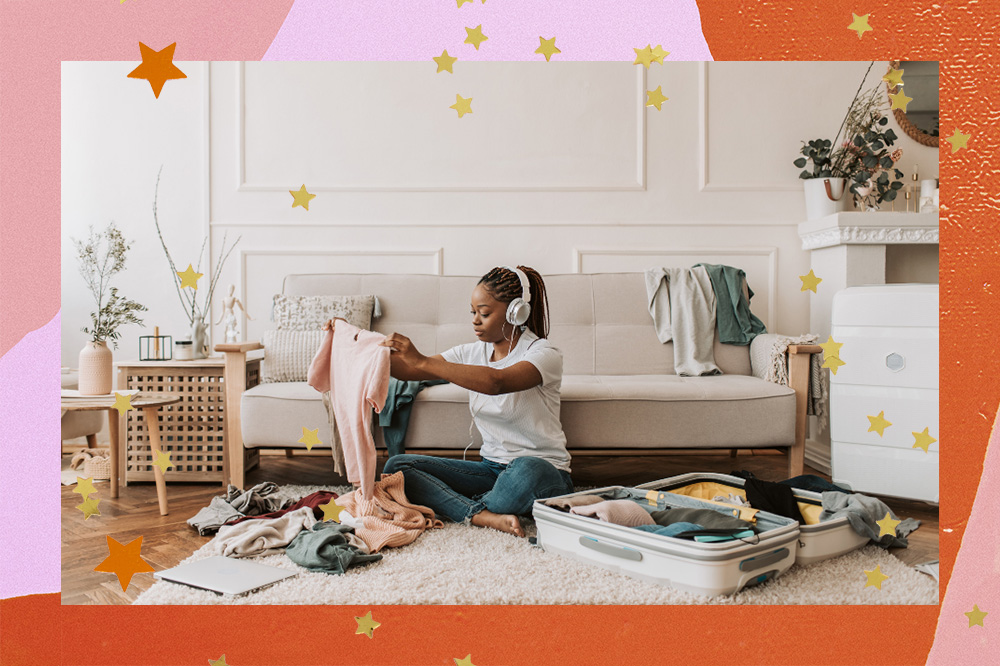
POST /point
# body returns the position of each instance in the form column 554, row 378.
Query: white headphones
column 520, row 308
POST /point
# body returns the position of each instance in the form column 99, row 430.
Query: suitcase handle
column 609, row 549
column 761, row 561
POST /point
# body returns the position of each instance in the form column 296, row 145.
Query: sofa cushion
column 288, row 354
column 307, row 313
column 598, row 412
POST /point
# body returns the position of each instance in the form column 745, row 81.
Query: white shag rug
column 471, row 565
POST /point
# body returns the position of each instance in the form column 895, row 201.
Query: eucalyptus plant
column 101, row 257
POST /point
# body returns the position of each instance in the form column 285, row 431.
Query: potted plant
column 860, row 165
column 101, row 257
column 196, row 313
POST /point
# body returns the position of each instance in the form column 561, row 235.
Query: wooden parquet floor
column 166, row 540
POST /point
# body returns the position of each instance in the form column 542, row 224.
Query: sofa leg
column 732, row 453
column 92, row 441
column 798, row 380
column 288, row 453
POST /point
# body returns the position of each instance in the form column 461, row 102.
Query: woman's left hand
column 402, row 348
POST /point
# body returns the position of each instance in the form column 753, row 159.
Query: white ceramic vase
column 826, row 196
column 95, row 368
column 199, row 339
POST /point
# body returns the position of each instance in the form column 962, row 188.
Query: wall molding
column 244, row 186
column 703, row 183
column 768, row 252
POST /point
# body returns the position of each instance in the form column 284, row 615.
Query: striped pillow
column 288, row 354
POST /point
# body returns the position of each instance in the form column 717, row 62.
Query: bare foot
column 504, row 522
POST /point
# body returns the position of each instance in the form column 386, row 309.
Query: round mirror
column 920, row 83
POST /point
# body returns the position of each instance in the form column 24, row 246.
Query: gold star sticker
column 833, row 363
column 876, row 577
column 831, row 348
column 444, row 62
column 894, row 78
column 879, row 423
column 548, row 47
column 124, row 561
column 958, row 141
column 157, row 67
column 900, row 100
column 659, row 54
column 310, row 438
column 644, row 56
column 189, row 278
column 656, row 97
column 887, row 525
column 366, row 625
column 810, row 281
column 923, row 440
column 462, row 2
column 123, row 403
column 976, row 616
column 89, row 507
column 860, row 24
column 475, row 36
column 331, row 511
column 301, row 198
column 85, row 487
column 462, row 105
column 465, row 662
column 163, row 461
column 221, row 661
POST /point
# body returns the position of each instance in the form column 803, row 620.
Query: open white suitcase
column 702, row 568
column 817, row 541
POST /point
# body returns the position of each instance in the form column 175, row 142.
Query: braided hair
column 504, row 285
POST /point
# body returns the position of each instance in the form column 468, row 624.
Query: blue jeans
column 459, row 489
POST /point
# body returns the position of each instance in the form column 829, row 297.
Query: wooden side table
column 195, row 427
column 149, row 406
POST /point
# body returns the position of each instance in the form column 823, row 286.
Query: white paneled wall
column 560, row 167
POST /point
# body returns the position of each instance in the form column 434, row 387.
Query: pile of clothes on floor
column 252, row 523
column 736, row 519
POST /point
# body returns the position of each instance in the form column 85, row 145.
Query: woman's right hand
column 330, row 323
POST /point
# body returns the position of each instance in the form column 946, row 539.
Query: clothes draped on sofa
column 735, row 323
column 682, row 304
column 389, row 518
column 395, row 416
column 353, row 366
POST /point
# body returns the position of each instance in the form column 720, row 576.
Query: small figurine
column 229, row 305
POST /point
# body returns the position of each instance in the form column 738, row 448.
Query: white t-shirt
column 521, row 423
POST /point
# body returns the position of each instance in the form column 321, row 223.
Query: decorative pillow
column 287, row 355
column 309, row 313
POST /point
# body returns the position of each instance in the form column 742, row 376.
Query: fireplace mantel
column 869, row 229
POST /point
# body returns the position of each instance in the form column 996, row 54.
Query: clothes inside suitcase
column 818, row 541
column 707, row 568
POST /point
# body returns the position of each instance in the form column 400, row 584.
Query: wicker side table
column 193, row 430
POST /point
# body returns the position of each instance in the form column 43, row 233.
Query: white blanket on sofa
column 682, row 305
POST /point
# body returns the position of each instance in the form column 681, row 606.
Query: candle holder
column 155, row 348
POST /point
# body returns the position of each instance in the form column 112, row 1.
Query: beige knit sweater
column 389, row 518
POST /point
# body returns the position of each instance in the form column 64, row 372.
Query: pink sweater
column 354, row 368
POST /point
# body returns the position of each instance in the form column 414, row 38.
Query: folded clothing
column 569, row 502
column 670, row 530
column 329, row 547
column 706, row 518
column 264, row 537
column 620, row 512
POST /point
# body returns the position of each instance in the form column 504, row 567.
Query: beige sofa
column 619, row 392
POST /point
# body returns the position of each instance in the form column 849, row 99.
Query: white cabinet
column 890, row 350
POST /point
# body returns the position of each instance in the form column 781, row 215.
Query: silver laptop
column 228, row 576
